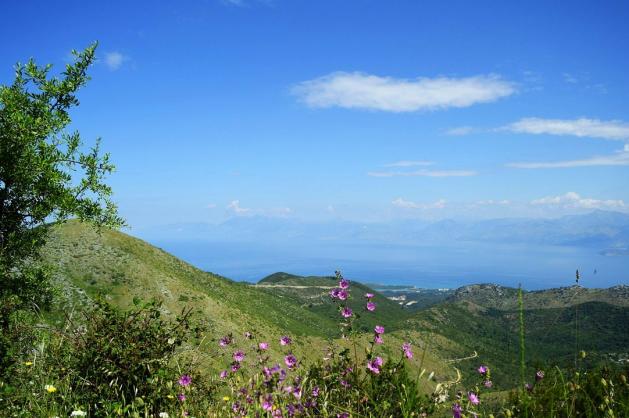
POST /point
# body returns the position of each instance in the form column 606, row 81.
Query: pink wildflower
column 346, row 312
column 291, row 361
column 408, row 352
column 369, row 295
column 267, row 405
column 263, row 346
column 185, row 380
column 344, row 284
column 379, row 329
column 374, row 365
column 456, row 410
column 473, row 398
column 371, row 306
column 223, row 374
column 239, row 356
column 285, row 340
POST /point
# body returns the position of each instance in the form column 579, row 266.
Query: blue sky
column 359, row 110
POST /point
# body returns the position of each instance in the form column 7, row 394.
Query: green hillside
column 119, row 268
column 549, row 335
column 312, row 294
column 501, row 297
column 480, row 318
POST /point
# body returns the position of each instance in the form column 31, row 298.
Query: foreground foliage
column 45, row 176
column 135, row 363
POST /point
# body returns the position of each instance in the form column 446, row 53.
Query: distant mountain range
column 604, row 231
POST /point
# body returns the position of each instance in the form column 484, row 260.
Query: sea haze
column 538, row 253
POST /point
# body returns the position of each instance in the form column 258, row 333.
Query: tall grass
column 136, row 364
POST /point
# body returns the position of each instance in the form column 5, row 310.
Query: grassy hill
column 481, row 318
column 550, row 334
column 119, row 268
column 312, row 294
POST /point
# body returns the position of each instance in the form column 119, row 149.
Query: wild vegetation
column 97, row 323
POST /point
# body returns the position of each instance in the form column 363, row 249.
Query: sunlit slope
column 120, row 268
column 312, row 294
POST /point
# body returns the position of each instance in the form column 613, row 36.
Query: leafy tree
column 45, row 177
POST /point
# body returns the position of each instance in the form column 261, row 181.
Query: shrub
column 113, row 362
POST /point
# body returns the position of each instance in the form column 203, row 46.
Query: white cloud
column 364, row 91
column 114, row 60
column 211, row 205
column 572, row 200
column 460, row 131
column 582, row 127
column 423, row 173
column 234, row 206
column 406, row 163
column 406, row 204
column 621, row 157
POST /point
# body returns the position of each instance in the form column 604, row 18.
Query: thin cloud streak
column 618, row 159
column 364, row 91
column 573, row 200
column 583, row 127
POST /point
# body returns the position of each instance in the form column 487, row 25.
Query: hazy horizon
column 447, row 253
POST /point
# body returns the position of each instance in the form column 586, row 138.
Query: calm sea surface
column 423, row 266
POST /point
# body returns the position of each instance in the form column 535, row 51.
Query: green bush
column 109, row 362
column 124, row 356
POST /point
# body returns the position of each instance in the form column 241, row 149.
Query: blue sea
column 535, row 267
